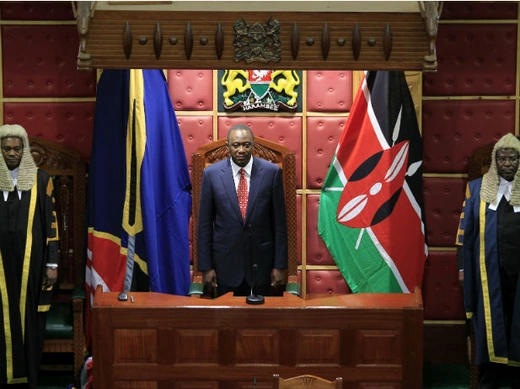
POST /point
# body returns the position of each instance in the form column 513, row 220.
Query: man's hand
column 51, row 276
column 277, row 276
column 210, row 278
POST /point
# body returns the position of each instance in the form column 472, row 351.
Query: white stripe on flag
column 388, row 260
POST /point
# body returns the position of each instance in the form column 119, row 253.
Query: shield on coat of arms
column 259, row 81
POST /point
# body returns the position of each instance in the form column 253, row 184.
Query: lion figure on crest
column 286, row 81
column 233, row 84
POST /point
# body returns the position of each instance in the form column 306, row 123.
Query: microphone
column 254, row 298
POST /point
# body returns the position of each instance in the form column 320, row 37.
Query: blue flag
column 139, row 188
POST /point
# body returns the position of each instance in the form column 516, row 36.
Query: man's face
column 507, row 163
column 12, row 151
column 240, row 145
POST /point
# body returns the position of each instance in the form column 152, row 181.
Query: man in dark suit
column 242, row 220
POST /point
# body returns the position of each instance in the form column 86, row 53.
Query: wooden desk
column 171, row 342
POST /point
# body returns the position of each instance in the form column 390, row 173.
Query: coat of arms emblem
column 271, row 90
column 257, row 43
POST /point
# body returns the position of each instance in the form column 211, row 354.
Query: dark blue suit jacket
column 231, row 245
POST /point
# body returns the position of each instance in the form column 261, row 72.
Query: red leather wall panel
column 317, row 253
column 452, row 130
column 473, row 10
column 326, row 281
column 329, row 91
column 36, row 10
column 195, row 131
column 443, row 199
column 474, row 60
column 323, row 134
column 284, row 130
column 68, row 123
column 191, row 90
column 442, row 292
column 40, row 61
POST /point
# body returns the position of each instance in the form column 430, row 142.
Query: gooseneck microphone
column 254, row 298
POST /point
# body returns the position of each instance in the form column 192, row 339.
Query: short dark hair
column 240, row 126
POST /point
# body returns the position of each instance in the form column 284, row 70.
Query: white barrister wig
column 27, row 169
column 491, row 180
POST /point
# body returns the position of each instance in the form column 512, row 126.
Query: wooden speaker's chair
column 271, row 151
column 306, row 381
column 64, row 331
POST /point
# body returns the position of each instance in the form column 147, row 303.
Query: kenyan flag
column 371, row 211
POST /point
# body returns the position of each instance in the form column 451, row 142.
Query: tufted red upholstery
column 479, row 10
column 317, row 253
column 36, row 10
column 195, row 131
column 185, row 87
column 322, row 139
column 453, row 129
column 326, row 281
column 42, row 63
column 442, row 292
column 66, row 123
column 442, row 205
column 475, row 60
column 284, row 130
column 329, row 91
column 468, row 68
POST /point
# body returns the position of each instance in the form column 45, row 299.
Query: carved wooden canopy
column 318, row 35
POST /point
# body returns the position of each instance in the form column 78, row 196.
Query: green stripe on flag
column 355, row 253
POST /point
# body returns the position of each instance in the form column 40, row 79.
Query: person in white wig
column 489, row 262
column 28, row 258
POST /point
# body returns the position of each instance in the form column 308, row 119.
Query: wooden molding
column 380, row 40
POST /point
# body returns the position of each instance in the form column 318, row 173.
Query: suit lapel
column 229, row 186
column 254, row 186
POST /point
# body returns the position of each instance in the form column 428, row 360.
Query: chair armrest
column 78, row 292
column 196, row 289
column 293, row 288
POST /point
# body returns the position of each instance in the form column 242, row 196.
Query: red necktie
column 242, row 193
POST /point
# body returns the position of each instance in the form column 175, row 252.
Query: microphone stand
column 253, row 298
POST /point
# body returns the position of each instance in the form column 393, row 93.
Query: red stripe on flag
column 107, row 264
column 402, row 238
column 108, row 261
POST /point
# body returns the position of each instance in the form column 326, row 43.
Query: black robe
column 28, row 240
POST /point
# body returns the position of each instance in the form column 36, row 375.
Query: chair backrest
column 271, row 151
column 69, row 172
column 306, row 381
column 480, row 160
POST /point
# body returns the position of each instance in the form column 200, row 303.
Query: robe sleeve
column 51, row 223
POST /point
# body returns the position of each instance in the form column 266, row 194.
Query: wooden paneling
column 308, row 40
column 370, row 340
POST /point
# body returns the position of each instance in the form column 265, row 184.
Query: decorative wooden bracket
column 431, row 12
column 157, row 41
column 295, row 41
column 83, row 12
